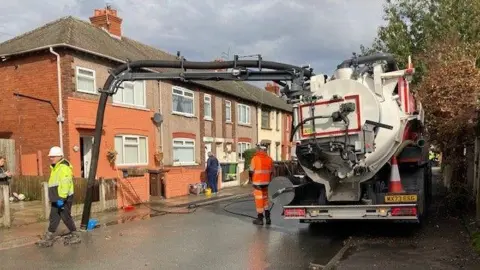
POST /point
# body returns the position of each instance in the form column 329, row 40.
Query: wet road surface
column 210, row 238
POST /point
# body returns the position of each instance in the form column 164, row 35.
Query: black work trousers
column 64, row 214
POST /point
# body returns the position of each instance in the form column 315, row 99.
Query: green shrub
column 248, row 155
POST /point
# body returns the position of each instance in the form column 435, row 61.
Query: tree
column 442, row 36
column 413, row 25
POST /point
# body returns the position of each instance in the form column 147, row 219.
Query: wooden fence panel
column 7, row 148
column 81, row 189
column 30, row 186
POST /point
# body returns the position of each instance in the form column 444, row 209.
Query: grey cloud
column 316, row 32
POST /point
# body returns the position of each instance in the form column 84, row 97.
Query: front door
column 86, row 144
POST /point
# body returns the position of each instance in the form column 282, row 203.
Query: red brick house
column 50, row 79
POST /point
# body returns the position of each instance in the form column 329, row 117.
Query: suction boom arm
column 138, row 70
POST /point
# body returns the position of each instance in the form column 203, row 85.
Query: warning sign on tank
column 400, row 198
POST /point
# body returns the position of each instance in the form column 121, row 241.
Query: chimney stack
column 273, row 88
column 107, row 18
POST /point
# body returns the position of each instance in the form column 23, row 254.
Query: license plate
column 400, row 198
column 307, row 130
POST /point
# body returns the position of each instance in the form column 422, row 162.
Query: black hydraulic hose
column 392, row 64
column 135, row 65
column 208, row 65
column 95, row 155
column 304, row 121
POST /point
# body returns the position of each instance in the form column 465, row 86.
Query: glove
column 60, row 203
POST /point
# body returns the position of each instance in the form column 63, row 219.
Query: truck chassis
column 309, row 204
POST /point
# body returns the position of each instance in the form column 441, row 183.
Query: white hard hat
column 55, row 152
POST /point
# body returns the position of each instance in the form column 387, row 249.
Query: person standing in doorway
column 212, row 172
column 60, row 194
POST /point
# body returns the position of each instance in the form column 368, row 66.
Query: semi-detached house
column 50, row 79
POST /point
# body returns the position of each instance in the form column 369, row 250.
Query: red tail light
column 294, row 212
column 404, row 211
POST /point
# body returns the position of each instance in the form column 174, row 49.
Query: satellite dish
column 157, row 118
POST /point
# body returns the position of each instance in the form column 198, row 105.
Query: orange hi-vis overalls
column 262, row 168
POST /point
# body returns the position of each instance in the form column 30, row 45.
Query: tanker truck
column 358, row 139
column 357, row 135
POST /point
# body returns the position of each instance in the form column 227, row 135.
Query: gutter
column 50, row 47
column 60, row 117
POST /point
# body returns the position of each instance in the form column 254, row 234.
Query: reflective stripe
column 262, row 171
column 258, row 183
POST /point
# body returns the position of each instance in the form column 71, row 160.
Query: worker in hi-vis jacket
column 60, row 195
column 261, row 171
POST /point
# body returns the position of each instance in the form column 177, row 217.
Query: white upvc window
column 132, row 150
column 207, row 107
column 183, row 151
column 133, row 94
column 182, row 101
column 243, row 114
column 228, row 111
column 86, row 80
column 241, row 147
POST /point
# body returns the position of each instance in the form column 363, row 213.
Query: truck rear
column 359, row 144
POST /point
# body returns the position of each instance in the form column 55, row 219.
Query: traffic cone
column 395, row 182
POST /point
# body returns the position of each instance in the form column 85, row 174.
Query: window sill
column 265, row 128
column 208, row 119
column 185, row 164
column 131, row 107
column 245, row 125
column 87, row 92
column 229, row 122
column 131, row 166
column 184, row 115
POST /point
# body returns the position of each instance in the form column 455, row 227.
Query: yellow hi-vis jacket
column 60, row 183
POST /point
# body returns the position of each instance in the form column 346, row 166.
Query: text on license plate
column 400, row 198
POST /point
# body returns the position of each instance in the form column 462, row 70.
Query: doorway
column 86, row 145
column 208, row 148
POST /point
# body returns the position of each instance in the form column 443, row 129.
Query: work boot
column 47, row 236
column 72, row 238
column 258, row 220
column 267, row 217
column 47, row 240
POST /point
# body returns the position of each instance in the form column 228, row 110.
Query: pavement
column 443, row 242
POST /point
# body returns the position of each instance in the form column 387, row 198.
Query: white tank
column 376, row 124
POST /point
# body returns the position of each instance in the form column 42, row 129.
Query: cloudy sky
column 321, row 33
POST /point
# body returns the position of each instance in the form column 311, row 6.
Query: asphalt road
column 210, row 238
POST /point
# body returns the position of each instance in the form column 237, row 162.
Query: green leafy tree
column 411, row 26
column 442, row 37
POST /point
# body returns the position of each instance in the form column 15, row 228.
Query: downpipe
column 60, row 118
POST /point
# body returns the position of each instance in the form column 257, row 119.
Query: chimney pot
column 108, row 19
column 273, row 88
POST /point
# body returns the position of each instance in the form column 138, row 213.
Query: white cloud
column 316, row 32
